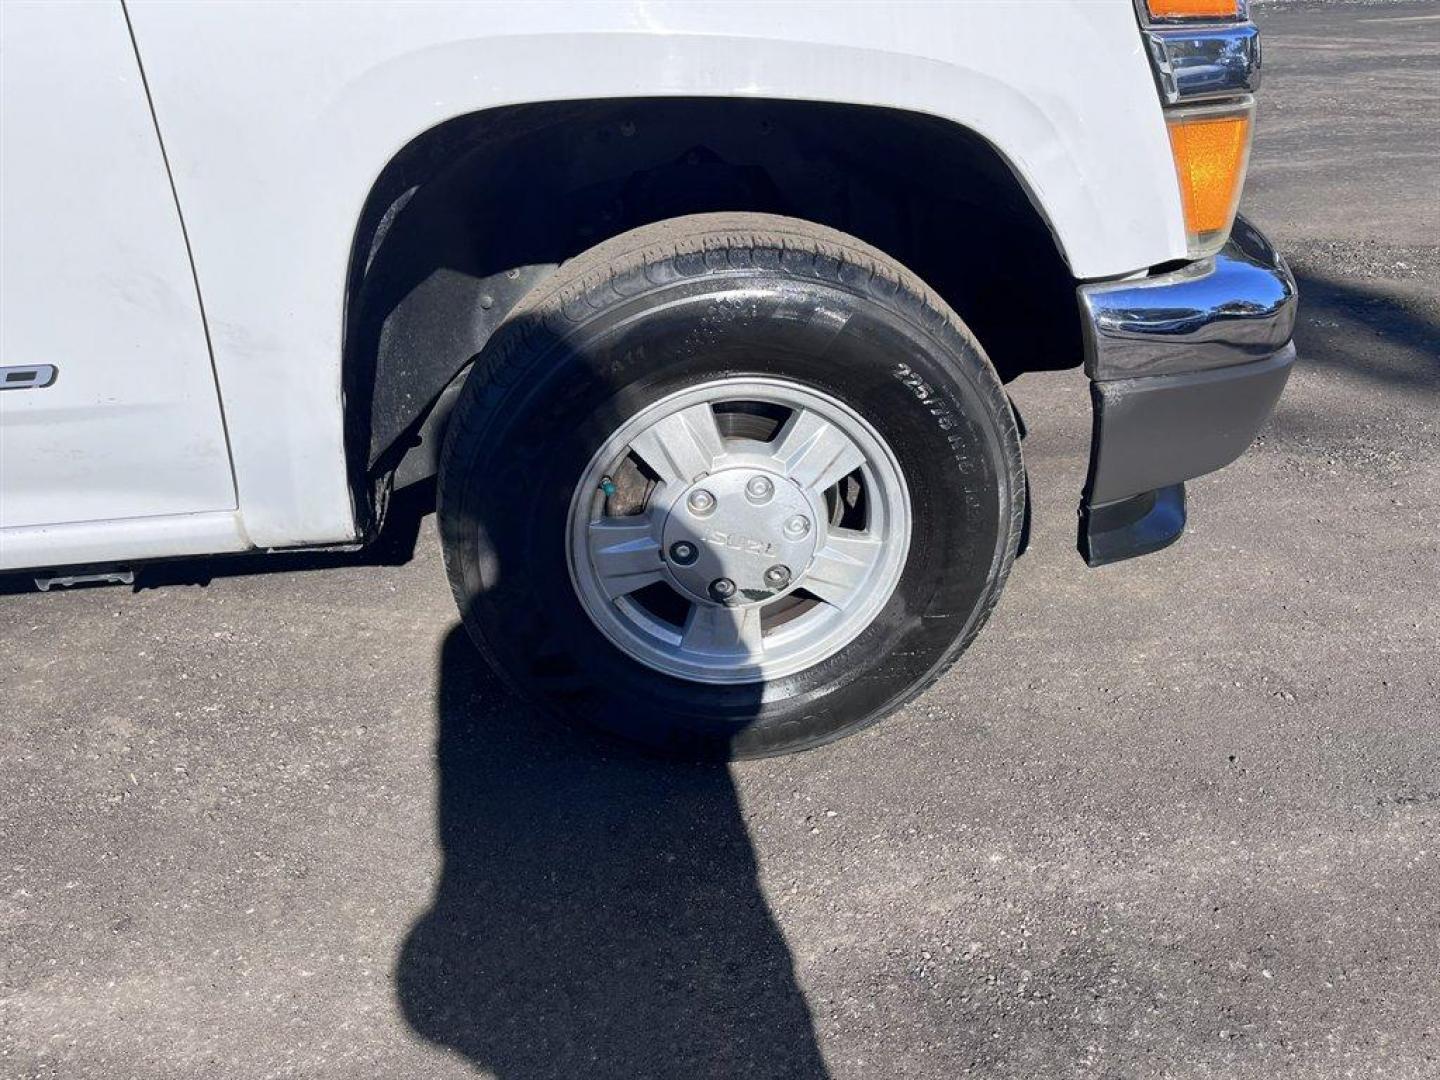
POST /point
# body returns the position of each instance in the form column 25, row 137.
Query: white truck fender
column 277, row 121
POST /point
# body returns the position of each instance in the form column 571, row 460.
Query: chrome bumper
column 1232, row 308
column 1185, row 367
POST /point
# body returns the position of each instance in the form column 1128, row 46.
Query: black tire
column 681, row 302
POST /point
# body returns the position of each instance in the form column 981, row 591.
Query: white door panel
column 95, row 280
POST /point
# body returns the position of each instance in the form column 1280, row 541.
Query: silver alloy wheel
column 733, row 554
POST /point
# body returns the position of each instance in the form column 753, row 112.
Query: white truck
column 701, row 313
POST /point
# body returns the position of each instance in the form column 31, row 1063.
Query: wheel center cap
column 740, row 536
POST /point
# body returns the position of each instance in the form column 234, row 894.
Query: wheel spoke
column 682, row 446
column 814, row 452
column 840, row 567
column 626, row 554
column 723, row 631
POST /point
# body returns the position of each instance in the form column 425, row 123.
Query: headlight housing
column 1187, row 10
column 1205, row 55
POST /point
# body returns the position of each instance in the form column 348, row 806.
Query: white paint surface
column 277, row 119
column 95, row 281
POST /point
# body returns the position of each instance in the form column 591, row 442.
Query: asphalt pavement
column 1174, row 817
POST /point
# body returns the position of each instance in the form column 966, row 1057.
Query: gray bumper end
column 1185, row 367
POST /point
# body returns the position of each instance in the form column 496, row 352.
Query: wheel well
column 469, row 215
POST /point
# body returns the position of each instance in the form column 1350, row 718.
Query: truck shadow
column 598, row 914
column 1367, row 330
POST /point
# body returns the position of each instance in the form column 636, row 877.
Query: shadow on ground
column 1340, row 318
column 598, row 914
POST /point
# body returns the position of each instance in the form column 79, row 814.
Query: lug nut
column 700, row 502
column 722, row 588
column 796, row 527
column 683, row 553
column 759, row 489
column 777, row 577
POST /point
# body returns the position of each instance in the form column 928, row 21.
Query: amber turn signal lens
column 1211, row 147
column 1193, row 9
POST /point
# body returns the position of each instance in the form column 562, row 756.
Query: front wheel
column 729, row 485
